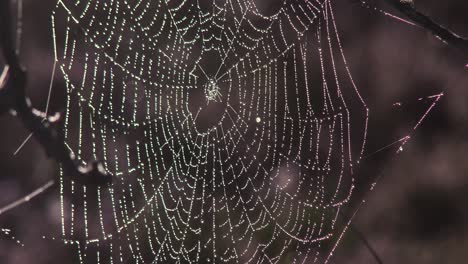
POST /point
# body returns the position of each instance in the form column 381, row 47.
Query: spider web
column 226, row 127
column 225, row 124
column 227, row 130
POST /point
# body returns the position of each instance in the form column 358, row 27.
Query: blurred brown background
column 417, row 212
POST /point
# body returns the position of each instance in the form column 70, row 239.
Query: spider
column 212, row 91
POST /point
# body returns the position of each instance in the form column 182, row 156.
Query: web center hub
column 207, row 106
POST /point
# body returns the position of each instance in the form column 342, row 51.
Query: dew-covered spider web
column 226, row 125
column 232, row 129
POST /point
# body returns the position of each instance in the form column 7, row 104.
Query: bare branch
column 407, row 8
column 13, row 99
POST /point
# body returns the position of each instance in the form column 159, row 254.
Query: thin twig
column 13, row 99
column 364, row 240
column 361, row 237
column 27, row 198
column 407, row 8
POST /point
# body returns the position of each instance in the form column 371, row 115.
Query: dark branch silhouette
column 13, row 100
column 407, row 8
column 368, row 245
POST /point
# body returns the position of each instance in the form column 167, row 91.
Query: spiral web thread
column 227, row 129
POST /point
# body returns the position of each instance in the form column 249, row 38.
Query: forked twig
column 13, row 79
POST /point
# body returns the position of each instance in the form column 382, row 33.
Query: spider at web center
column 212, row 91
column 208, row 103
